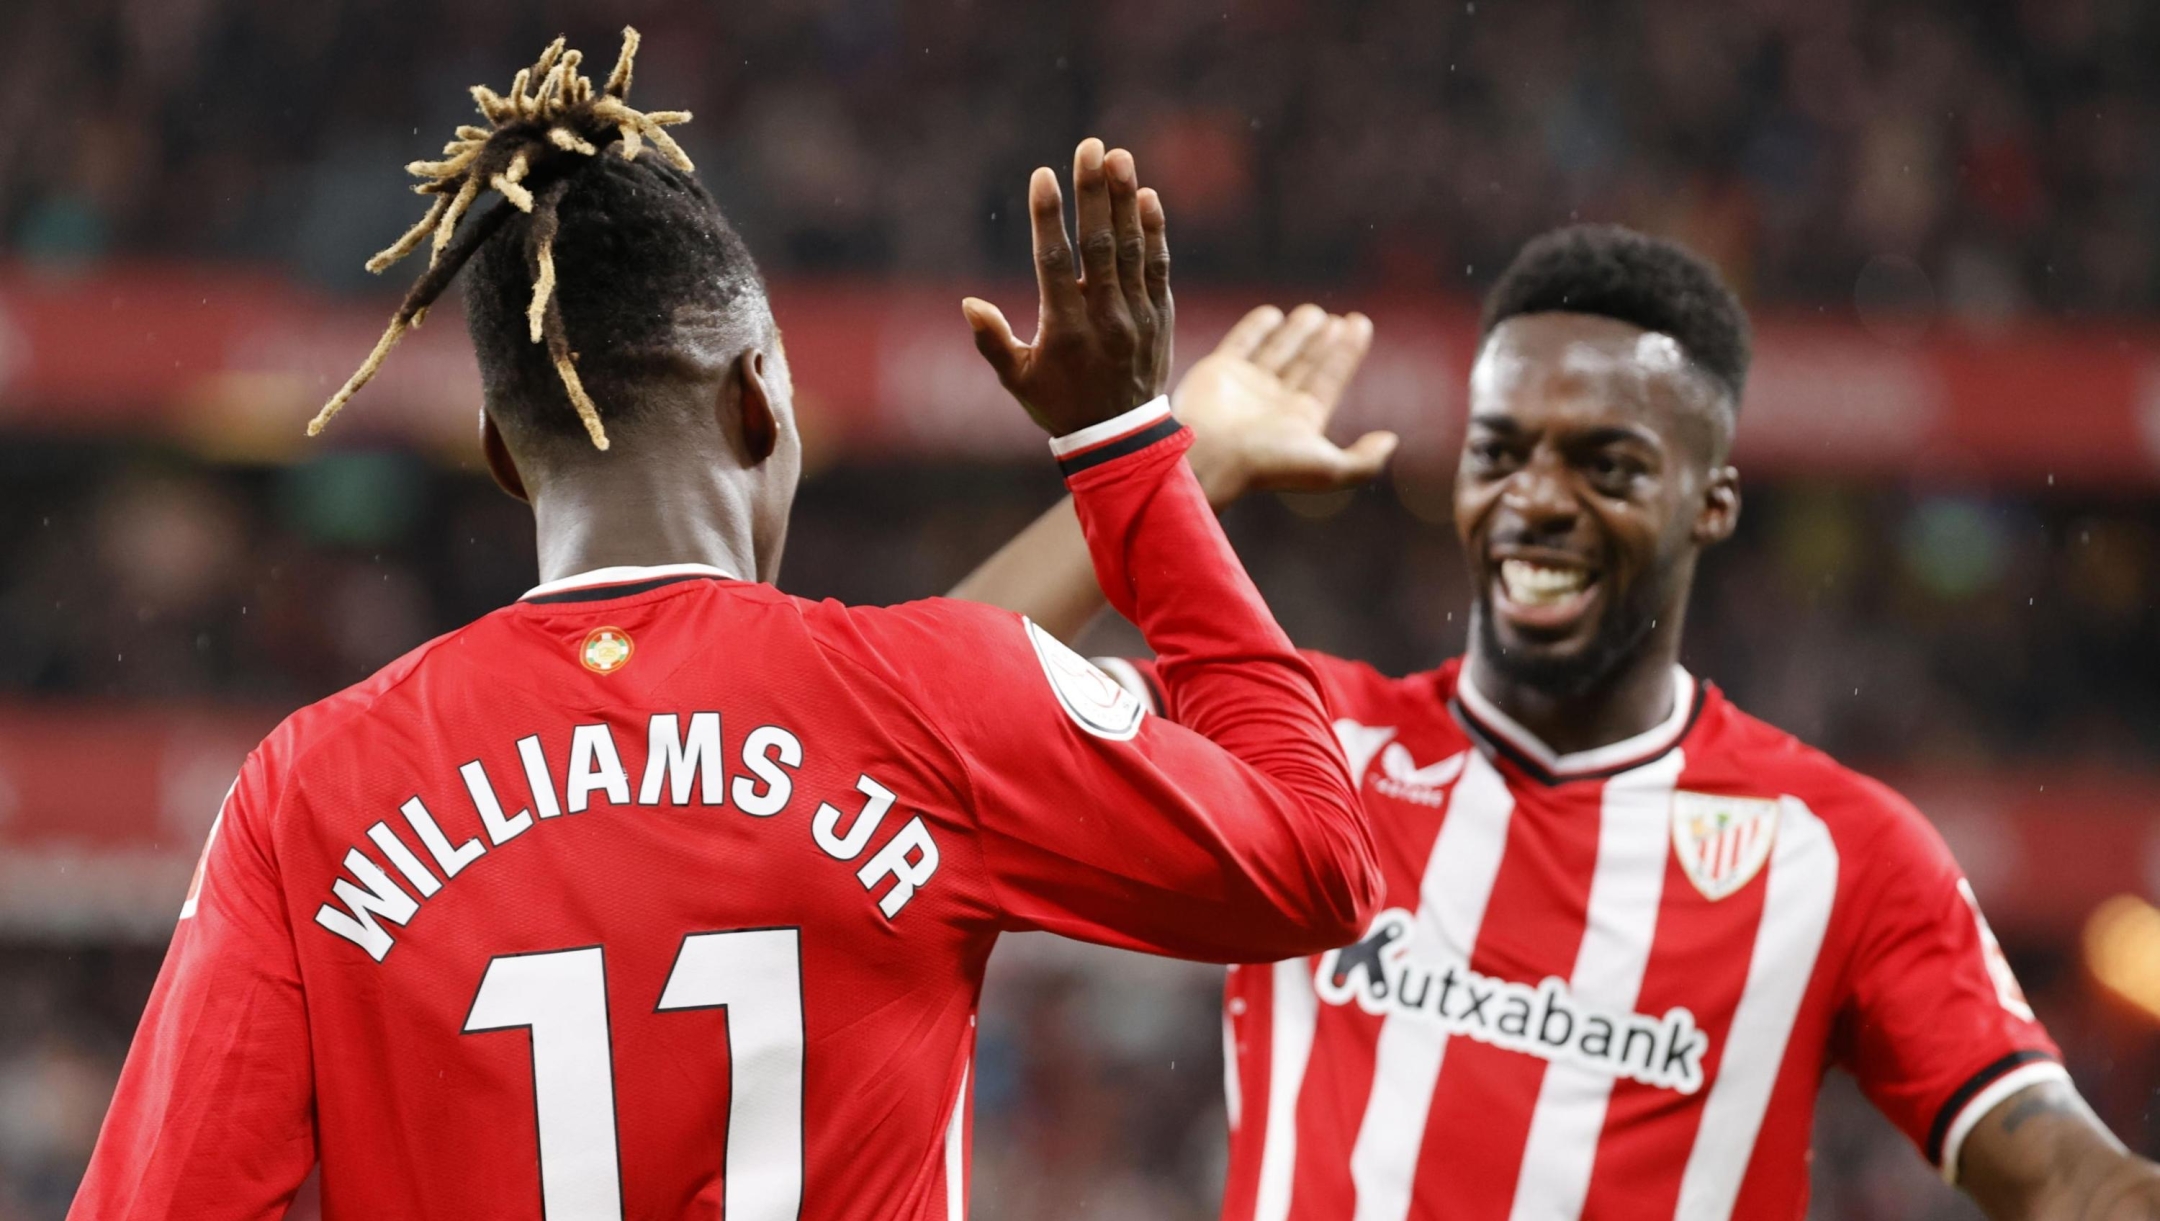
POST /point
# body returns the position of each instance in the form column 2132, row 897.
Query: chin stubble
column 1621, row 632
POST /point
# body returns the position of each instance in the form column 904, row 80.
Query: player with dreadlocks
column 659, row 893
column 551, row 115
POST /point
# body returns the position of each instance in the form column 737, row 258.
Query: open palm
column 1260, row 403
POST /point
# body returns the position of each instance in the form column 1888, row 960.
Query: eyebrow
column 1604, row 434
column 1497, row 422
column 1610, row 434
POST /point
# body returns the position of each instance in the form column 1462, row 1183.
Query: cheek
column 1638, row 535
column 1473, row 507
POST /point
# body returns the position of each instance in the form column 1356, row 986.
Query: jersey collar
column 608, row 582
column 1502, row 732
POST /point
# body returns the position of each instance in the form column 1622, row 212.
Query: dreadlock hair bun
column 646, row 270
column 597, row 199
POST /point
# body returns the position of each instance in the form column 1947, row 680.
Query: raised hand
column 1102, row 337
column 1259, row 405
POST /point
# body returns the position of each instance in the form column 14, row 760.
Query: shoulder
column 1867, row 820
column 1354, row 689
column 1361, row 690
column 335, row 731
column 931, row 635
column 342, row 716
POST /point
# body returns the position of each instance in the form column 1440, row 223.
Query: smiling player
column 1628, row 926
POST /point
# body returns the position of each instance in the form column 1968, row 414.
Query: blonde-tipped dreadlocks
column 551, row 112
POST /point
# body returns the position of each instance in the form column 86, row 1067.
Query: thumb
column 993, row 338
column 1367, row 456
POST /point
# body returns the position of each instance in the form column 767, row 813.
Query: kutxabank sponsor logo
column 1381, row 977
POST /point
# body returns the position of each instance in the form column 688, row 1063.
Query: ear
column 1720, row 514
column 760, row 425
column 498, row 460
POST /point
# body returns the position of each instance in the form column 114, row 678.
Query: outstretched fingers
column 1367, row 456
column 994, row 339
column 1155, row 262
column 1250, row 332
column 1155, row 240
column 1054, row 278
column 1299, row 372
column 1124, row 183
column 1283, row 345
column 1335, row 360
column 1094, row 226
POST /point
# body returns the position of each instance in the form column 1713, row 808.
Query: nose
column 1538, row 496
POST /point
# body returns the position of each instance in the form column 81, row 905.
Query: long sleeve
column 1235, row 836
column 214, row 1116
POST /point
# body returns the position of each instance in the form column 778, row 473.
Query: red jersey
column 659, row 894
column 1608, row 984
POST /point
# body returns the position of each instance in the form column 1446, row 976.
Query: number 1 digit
column 561, row 997
column 756, row 975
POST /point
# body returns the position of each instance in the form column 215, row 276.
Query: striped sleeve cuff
column 1983, row 1093
column 1113, row 438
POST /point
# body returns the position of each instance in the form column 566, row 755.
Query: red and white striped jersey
column 1608, row 984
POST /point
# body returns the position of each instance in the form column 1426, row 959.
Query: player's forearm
column 1229, row 670
column 2114, row 1186
column 1043, row 573
column 2041, row 1155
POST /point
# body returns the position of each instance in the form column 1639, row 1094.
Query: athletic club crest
column 1722, row 842
column 606, row 650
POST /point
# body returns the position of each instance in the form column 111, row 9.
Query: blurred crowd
column 1887, row 624
column 1983, row 156
column 1980, row 158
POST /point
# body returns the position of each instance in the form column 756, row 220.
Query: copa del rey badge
column 1722, row 842
column 606, row 650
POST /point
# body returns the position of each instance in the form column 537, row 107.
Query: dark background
column 1973, row 173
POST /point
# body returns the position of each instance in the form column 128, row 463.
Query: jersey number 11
column 561, row 997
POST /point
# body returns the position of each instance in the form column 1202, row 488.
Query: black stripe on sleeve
column 1168, row 426
column 1939, row 1131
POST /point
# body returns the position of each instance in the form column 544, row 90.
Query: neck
column 1634, row 698
column 616, row 513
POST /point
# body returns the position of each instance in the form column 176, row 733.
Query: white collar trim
column 624, row 574
column 1642, row 747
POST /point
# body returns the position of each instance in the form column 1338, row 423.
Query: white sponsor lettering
column 1380, row 977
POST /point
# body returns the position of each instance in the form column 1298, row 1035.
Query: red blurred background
column 1943, row 216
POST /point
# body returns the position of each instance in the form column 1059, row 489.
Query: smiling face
column 1592, row 473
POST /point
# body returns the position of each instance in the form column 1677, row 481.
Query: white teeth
column 1537, row 585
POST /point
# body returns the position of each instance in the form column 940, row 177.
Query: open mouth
column 1543, row 595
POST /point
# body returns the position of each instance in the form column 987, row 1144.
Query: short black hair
column 1617, row 273
column 641, row 251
